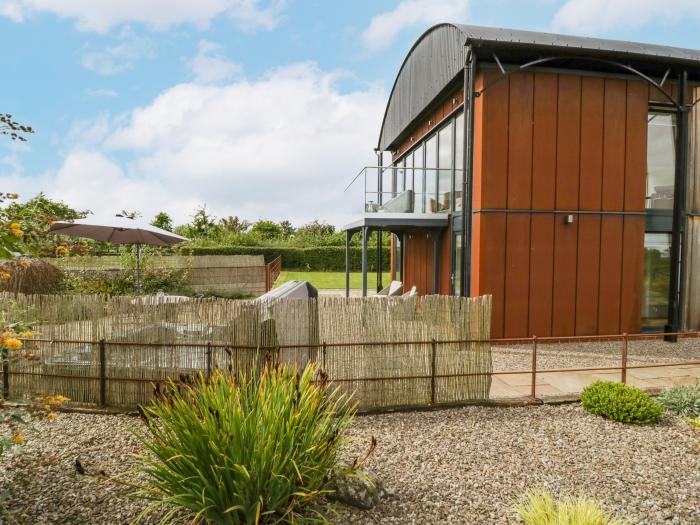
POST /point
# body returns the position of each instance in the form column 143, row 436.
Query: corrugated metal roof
column 437, row 59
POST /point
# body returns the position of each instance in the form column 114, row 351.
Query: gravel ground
column 594, row 354
column 450, row 466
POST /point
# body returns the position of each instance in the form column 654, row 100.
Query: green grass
column 333, row 279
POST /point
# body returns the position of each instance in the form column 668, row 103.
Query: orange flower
column 51, row 416
column 19, row 438
column 12, row 343
column 24, row 263
column 5, row 275
column 15, row 226
column 25, row 335
column 62, row 250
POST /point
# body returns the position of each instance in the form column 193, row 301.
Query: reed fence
column 386, row 352
column 205, row 273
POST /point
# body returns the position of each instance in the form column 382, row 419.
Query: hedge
column 319, row 258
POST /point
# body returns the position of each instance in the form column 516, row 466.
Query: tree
column 232, row 224
column 203, row 225
column 266, row 229
column 287, row 229
column 13, row 129
column 163, row 221
column 316, row 228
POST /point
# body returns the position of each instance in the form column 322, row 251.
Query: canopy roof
column 436, row 61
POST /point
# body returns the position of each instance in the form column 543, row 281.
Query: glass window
column 409, row 171
column 657, row 273
column 661, row 160
column 431, row 205
column 387, row 185
column 401, row 177
column 444, row 182
column 459, row 161
column 419, row 180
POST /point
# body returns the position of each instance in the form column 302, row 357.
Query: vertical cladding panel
column 611, row 231
column 564, row 281
column 475, row 285
column 591, row 181
column 494, row 176
column 636, row 146
column 520, row 140
column 568, row 142
column 492, row 262
column 446, row 262
column 587, row 274
column 478, row 169
column 544, row 146
column 408, row 260
column 541, row 271
column 517, row 275
column 614, row 147
column 632, row 274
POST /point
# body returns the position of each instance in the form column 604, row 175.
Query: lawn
column 332, row 279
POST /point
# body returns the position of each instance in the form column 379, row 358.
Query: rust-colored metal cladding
column 588, row 274
column 591, row 165
column 541, row 271
column 544, row 143
column 517, row 278
column 610, row 274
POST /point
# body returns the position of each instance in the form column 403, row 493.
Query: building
column 559, row 174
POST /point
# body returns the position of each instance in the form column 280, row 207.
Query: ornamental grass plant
column 540, row 508
column 260, row 448
column 683, row 401
column 619, row 402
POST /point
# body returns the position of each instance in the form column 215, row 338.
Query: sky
column 255, row 108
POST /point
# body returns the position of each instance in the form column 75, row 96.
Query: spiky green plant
column 683, row 401
column 254, row 449
column 540, row 508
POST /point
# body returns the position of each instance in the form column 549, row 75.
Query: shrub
column 623, row 403
column 683, row 401
column 539, row 508
column 31, row 277
column 317, row 258
column 254, row 449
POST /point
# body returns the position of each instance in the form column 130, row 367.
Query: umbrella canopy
column 117, row 230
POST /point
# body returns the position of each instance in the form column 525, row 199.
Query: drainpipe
column 468, row 167
column 365, row 234
column 675, row 300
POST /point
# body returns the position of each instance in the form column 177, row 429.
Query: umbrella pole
column 138, row 269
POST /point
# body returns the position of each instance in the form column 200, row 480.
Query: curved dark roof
column 437, row 59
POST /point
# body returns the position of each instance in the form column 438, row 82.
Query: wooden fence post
column 533, row 379
column 102, row 363
column 323, row 356
column 623, row 373
column 433, row 346
column 5, row 374
column 208, row 360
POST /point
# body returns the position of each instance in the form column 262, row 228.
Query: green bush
column 683, row 400
column 623, row 403
column 539, row 508
column 243, row 450
column 315, row 259
column 123, row 282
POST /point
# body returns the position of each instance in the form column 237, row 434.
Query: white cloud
column 120, row 57
column 108, row 93
column 102, row 15
column 210, row 66
column 385, row 27
column 595, row 16
column 282, row 146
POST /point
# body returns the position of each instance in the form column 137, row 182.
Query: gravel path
column 450, row 466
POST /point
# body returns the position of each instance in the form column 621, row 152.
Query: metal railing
column 401, row 189
column 273, row 269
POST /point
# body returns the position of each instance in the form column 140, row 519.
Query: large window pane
column 419, row 180
column 401, row 177
column 444, row 182
column 409, row 171
column 459, row 161
column 657, row 272
column 661, row 160
column 431, row 205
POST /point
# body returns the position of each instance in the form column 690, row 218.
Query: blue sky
column 258, row 108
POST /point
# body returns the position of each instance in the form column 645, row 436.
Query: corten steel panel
column 614, row 146
column 610, row 274
column 636, row 146
column 587, row 274
column 632, row 273
column 544, row 147
column 657, row 96
column 520, row 140
column 568, row 142
column 541, row 271
column 591, row 178
column 478, row 146
column 517, row 282
column 494, row 175
column 492, row 255
column 475, row 288
column 564, row 280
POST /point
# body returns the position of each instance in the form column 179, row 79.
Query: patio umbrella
column 119, row 230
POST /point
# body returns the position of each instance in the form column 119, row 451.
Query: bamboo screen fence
column 205, row 273
column 386, row 352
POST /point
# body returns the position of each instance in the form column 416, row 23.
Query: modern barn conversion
column 559, row 174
